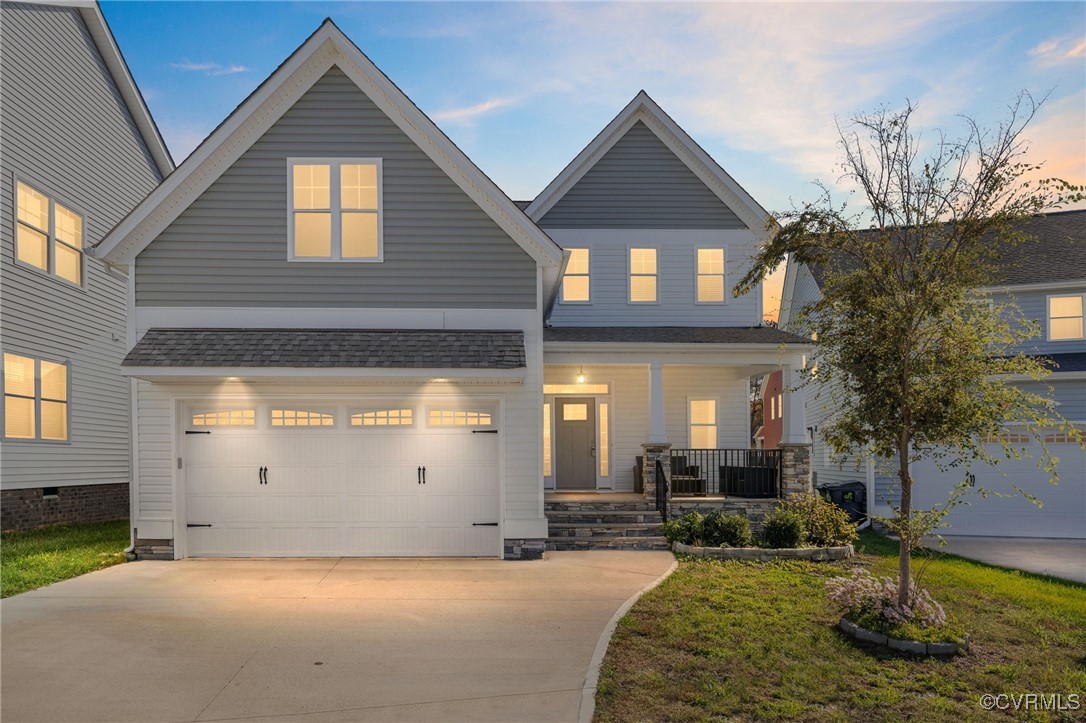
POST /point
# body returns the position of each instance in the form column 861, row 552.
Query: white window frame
column 697, row 275
column 50, row 234
column 562, row 290
column 37, row 438
column 212, row 408
column 1048, row 317
column 630, row 275
column 690, row 419
column 335, row 209
column 353, row 411
column 307, row 409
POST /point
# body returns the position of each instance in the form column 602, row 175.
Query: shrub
column 783, row 528
column 688, row 529
column 824, row 522
column 872, row 602
column 726, row 530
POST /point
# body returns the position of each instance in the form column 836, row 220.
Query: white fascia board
column 328, row 46
column 643, row 108
column 339, row 374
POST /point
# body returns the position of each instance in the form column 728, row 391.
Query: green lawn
column 749, row 641
column 40, row 557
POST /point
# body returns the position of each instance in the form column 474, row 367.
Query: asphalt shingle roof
column 672, row 335
column 342, row 348
column 1057, row 251
column 1071, row 362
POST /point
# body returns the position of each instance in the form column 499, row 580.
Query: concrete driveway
column 317, row 640
column 1056, row 557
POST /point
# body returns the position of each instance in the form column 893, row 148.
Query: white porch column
column 794, row 431
column 657, row 433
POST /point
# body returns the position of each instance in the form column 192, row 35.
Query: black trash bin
column 851, row 496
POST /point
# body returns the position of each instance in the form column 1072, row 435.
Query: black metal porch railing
column 662, row 490
column 752, row 473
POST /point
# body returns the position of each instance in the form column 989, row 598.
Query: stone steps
column 595, row 531
column 608, row 543
column 603, row 517
column 604, row 524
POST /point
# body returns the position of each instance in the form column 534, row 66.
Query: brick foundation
column 525, row 549
column 29, row 508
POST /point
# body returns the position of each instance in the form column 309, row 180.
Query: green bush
column 726, row 530
column 783, row 528
column 825, row 523
column 688, row 529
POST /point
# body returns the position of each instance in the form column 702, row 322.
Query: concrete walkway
column 1056, row 557
column 316, row 640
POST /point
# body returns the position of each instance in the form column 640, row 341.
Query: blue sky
column 522, row 87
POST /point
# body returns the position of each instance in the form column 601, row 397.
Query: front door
column 575, row 443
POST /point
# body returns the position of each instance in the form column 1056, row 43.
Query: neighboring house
column 768, row 436
column 78, row 150
column 1046, row 279
column 349, row 341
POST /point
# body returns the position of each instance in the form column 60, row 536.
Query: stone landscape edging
column 908, row 646
column 763, row 554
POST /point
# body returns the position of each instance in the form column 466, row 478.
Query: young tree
column 917, row 361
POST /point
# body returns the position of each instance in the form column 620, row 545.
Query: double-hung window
column 1065, row 317
column 703, row 425
column 335, row 209
column 643, row 276
column 710, row 276
column 576, row 283
column 35, row 399
column 48, row 235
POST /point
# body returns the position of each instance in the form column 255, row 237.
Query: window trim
column 335, row 209
column 723, row 248
column 690, row 419
column 307, row 409
column 630, row 275
column 361, row 411
column 37, row 438
column 562, row 288
column 1048, row 317
column 50, row 234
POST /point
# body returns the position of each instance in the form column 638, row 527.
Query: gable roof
column 122, row 77
column 325, row 48
column 1056, row 252
column 645, row 110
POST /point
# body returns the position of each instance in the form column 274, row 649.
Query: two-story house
column 78, row 150
column 349, row 341
column 1046, row 279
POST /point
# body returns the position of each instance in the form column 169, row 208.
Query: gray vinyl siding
column 1034, row 305
column 65, row 129
column 229, row 248
column 640, row 183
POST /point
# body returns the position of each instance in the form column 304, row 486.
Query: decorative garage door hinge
column 484, row 524
column 178, row 463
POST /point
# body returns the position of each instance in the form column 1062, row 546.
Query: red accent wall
column 772, row 429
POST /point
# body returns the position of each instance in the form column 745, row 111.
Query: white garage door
column 1063, row 513
column 309, row 480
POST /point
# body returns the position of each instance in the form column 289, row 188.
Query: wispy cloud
column 209, row 68
column 1056, row 51
column 468, row 114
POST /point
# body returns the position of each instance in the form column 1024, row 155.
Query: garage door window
column 383, row 418
column 225, row 418
column 300, row 418
column 458, row 418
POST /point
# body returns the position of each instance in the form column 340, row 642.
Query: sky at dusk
column 523, row 87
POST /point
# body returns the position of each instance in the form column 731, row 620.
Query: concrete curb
column 592, row 679
column 916, row 647
column 761, row 554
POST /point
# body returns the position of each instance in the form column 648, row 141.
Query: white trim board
column 643, row 108
column 325, row 48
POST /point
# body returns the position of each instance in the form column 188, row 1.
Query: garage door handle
column 419, row 473
column 424, row 475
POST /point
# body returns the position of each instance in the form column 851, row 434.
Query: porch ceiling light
column 580, row 376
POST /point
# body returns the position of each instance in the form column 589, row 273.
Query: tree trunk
column 904, row 568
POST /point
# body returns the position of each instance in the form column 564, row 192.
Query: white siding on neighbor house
column 804, row 292
column 640, row 183
column 65, row 129
column 676, row 266
column 1034, row 305
column 630, row 407
column 229, row 248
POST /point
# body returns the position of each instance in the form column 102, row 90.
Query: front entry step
column 607, row 543
column 603, row 522
column 590, row 530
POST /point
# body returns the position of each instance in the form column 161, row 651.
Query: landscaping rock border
column 763, row 554
column 908, row 646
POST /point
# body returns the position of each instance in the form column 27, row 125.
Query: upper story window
column 49, row 235
column 576, row 283
column 1065, row 318
column 643, row 276
column 335, row 209
column 35, row 399
column 710, row 276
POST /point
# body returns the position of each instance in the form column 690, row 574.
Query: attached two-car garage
column 374, row 477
